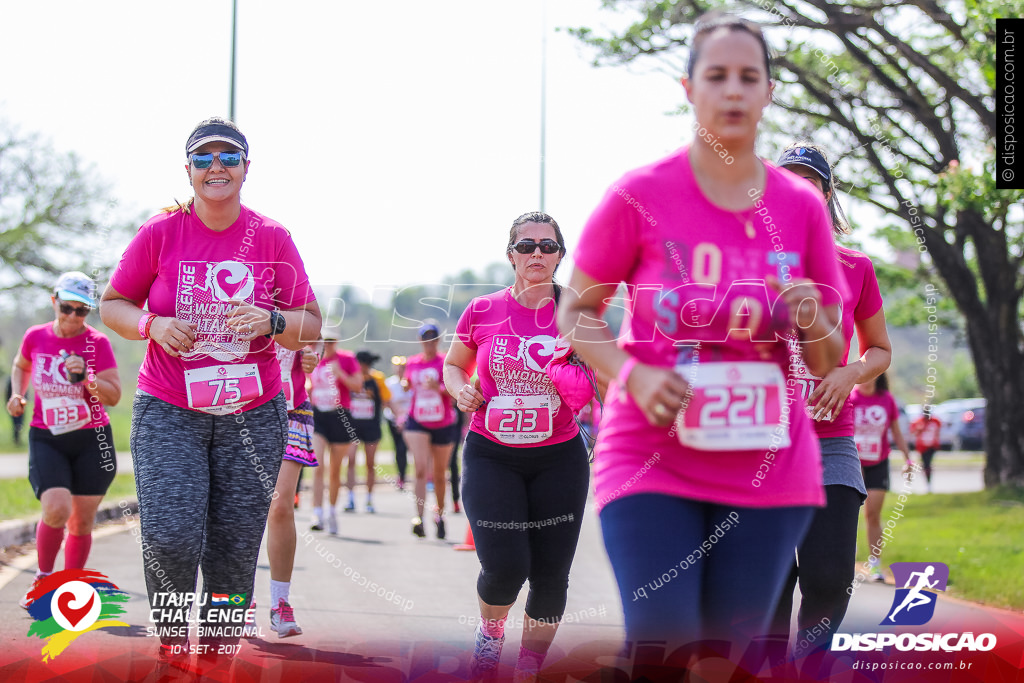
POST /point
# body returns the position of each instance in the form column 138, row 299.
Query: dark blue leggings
column 525, row 506
column 689, row 570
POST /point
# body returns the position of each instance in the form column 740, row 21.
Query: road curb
column 20, row 531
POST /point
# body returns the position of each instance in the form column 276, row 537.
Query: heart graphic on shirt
column 231, row 280
column 539, row 351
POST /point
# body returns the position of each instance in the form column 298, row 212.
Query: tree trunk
column 994, row 336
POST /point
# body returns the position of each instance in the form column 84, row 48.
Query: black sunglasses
column 227, row 159
column 547, row 246
column 80, row 311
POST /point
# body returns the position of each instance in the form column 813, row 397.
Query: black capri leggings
column 525, row 506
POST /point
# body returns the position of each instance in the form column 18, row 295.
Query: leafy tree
column 54, row 215
column 902, row 91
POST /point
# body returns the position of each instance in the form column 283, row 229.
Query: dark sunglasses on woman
column 547, row 246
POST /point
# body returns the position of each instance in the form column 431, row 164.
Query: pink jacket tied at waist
column 570, row 376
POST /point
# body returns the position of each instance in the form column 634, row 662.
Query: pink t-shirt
column 872, row 416
column 188, row 271
column 513, row 345
column 431, row 408
column 293, row 379
column 59, row 405
column 695, row 274
column 328, row 392
column 864, row 301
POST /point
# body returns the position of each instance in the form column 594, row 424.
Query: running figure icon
column 915, row 597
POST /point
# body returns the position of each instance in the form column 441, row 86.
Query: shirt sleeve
column 138, row 267
column 870, row 301
column 464, row 328
column 385, row 393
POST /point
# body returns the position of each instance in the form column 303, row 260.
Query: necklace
column 748, row 224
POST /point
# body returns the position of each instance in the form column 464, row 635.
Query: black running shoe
column 417, row 527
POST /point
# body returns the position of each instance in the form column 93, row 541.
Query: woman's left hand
column 248, row 322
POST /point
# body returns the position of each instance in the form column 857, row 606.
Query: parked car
column 971, row 436
column 953, row 415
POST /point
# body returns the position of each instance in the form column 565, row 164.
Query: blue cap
column 805, row 156
column 429, row 331
column 76, row 286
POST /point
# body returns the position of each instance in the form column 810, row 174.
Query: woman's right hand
column 174, row 336
column 469, row 399
column 16, row 406
column 658, row 392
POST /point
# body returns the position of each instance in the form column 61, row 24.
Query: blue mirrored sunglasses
column 227, row 159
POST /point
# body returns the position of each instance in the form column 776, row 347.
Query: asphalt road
column 419, row 618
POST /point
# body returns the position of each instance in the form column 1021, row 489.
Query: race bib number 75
column 222, row 389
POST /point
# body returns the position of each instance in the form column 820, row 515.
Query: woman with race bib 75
column 211, row 285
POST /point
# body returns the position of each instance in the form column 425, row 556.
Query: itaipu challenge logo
column 72, row 602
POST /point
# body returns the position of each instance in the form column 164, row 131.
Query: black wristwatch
column 277, row 324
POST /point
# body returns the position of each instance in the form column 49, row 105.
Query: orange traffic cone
column 468, row 544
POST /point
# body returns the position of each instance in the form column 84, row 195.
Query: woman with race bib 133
column 71, row 459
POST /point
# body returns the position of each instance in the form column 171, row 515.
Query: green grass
column 120, row 424
column 17, row 499
column 979, row 535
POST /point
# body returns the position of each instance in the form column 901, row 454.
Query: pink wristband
column 623, row 377
column 144, row 323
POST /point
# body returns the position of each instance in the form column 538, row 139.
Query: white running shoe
column 332, row 525
column 282, row 620
column 486, row 655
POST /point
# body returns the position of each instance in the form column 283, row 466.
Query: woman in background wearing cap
column 722, row 256
column 827, row 555
column 526, row 469
column 221, row 283
column 298, row 453
column 71, row 459
column 367, row 410
column 430, row 430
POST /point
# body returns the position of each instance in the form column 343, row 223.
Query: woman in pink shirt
column 827, row 556
column 220, row 284
column 71, row 461
column 430, row 429
column 703, row 432
column 875, row 414
column 526, row 471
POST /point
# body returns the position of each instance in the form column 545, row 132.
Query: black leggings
column 525, row 506
column 825, row 568
column 401, row 454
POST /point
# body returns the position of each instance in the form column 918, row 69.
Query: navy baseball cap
column 805, row 156
column 216, row 130
column 429, row 330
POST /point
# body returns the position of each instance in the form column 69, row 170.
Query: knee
column 80, row 526
column 281, row 510
column 501, row 586
column 56, row 514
